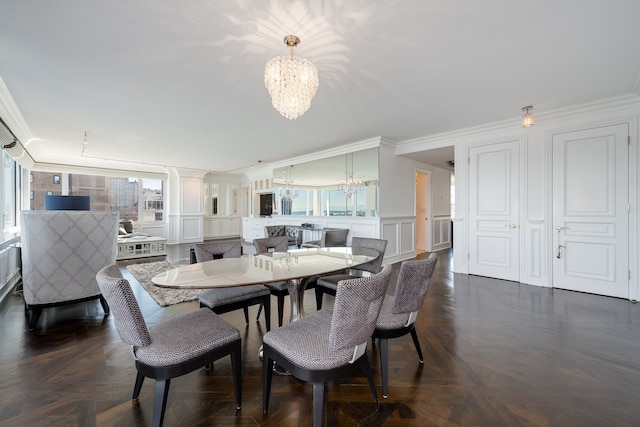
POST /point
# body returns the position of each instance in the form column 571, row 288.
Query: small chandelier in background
column 289, row 193
column 527, row 117
column 292, row 81
column 350, row 185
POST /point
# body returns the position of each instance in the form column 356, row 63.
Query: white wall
column 397, row 200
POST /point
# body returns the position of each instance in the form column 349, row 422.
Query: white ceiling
column 180, row 83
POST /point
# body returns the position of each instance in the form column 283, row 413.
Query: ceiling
column 180, row 83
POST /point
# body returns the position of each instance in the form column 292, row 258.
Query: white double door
column 590, row 218
column 590, row 211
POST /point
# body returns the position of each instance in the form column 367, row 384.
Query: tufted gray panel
column 63, row 250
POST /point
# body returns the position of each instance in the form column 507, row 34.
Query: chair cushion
column 182, row 338
column 331, row 282
column 222, row 296
column 277, row 286
column 305, row 343
column 387, row 319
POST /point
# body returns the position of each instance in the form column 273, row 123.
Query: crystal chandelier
column 288, row 193
column 350, row 185
column 292, row 81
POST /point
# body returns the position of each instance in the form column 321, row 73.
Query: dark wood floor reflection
column 496, row 354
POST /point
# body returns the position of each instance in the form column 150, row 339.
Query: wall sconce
column 527, row 117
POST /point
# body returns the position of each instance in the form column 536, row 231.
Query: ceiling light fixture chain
column 292, row 81
column 350, row 185
column 289, row 193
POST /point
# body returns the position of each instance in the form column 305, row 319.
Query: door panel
column 590, row 218
column 493, row 213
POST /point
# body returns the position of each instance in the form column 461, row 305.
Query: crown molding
column 512, row 126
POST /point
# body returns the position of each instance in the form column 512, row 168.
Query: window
column 136, row 199
column 10, row 188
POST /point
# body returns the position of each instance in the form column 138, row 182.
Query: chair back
column 413, row 283
column 334, row 237
column 364, row 245
column 216, row 250
column 274, row 230
column 356, row 309
column 62, row 251
column 271, row 244
column 124, row 306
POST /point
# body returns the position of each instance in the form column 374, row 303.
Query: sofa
column 291, row 231
column 62, row 251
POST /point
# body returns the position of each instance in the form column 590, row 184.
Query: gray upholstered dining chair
column 277, row 289
column 400, row 310
column 330, row 238
column 328, row 284
column 172, row 347
column 326, row 346
column 223, row 300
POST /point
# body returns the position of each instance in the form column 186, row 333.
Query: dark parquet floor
column 496, row 353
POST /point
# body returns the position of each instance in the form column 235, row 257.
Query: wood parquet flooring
column 496, row 353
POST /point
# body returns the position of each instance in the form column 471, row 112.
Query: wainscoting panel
column 191, row 229
column 441, row 232
column 9, row 268
column 400, row 236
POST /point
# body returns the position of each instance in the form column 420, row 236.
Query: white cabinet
column 216, row 227
column 263, row 185
column 253, row 228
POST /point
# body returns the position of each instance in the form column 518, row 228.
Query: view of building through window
column 136, row 199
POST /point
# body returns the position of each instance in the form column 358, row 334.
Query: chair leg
column 236, row 367
column 160, row 401
column 246, row 314
column 280, row 309
column 104, row 304
column 267, row 313
column 138, row 386
column 259, row 311
column 366, row 367
column 383, row 343
column 414, row 335
column 267, row 376
column 318, row 404
column 319, row 295
column 35, row 313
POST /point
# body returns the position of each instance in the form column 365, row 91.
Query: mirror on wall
column 343, row 185
column 220, row 198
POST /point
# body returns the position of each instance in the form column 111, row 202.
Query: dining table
column 295, row 267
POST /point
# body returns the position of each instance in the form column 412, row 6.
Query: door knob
column 559, row 228
column 511, row 225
